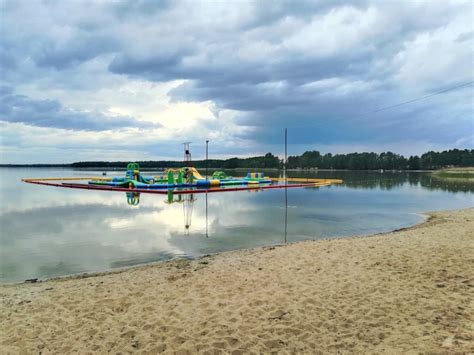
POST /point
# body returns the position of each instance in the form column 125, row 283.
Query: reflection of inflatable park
column 188, row 204
column 133, row 198
column 187, row 200
column 180, row 185
column 177, row 178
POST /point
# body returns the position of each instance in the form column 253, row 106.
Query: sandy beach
column 405, row 291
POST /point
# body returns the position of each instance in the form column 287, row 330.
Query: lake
column 48, row 231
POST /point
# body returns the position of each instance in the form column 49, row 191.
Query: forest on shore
column 387, row 160
column 308, row 160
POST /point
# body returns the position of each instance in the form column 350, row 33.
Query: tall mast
column 187, row 154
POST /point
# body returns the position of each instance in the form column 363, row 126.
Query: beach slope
column 409, row 290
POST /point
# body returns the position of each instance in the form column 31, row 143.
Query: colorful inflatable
column 177, row 178
column 186, row 180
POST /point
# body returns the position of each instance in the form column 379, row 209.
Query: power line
column 401, row 103
column 418, row 99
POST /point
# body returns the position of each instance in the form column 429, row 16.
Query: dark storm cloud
column 160, row 67
column 79, row 49
column 320, row 85
column 130, row 8
column 317, row 67
column 268, row 12
column 50, row 113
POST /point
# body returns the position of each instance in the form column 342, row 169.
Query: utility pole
column 207, row 151
column 286, row 153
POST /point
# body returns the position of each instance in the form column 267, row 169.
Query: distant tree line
column 268, row 161
column 387, row 160
column 308, row 160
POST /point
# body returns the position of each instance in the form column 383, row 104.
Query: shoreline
column 397, row 291
column 426, row 216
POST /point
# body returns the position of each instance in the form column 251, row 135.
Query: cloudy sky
column 131, row 80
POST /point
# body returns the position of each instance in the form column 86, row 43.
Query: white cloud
column 435, row 58
column 235, row 73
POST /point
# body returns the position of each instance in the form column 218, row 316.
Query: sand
column 405, row 291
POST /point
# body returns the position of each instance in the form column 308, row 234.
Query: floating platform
column 278, row 185
column 186, row 180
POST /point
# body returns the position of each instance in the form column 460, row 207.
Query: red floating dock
column 175, row 191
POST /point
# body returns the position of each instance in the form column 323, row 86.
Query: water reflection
column 286, row 215
column 47, row 232
column 391, row 180
column 187, row 200
column 133, row 198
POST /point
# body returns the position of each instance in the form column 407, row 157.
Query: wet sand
column 405, row 291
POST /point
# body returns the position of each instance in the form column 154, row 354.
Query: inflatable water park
column 184, row 180
column 179, row 181
column 177, row 178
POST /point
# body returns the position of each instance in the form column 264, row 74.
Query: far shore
column 466, row 173
column 405, row 291
column 108, row 168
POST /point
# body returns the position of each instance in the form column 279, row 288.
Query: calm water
column 48, row 231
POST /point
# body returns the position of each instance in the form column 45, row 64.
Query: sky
column 132, row 80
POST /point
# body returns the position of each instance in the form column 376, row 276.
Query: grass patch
column 455, row 173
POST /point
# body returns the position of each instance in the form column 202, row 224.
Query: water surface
column 48, row 231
